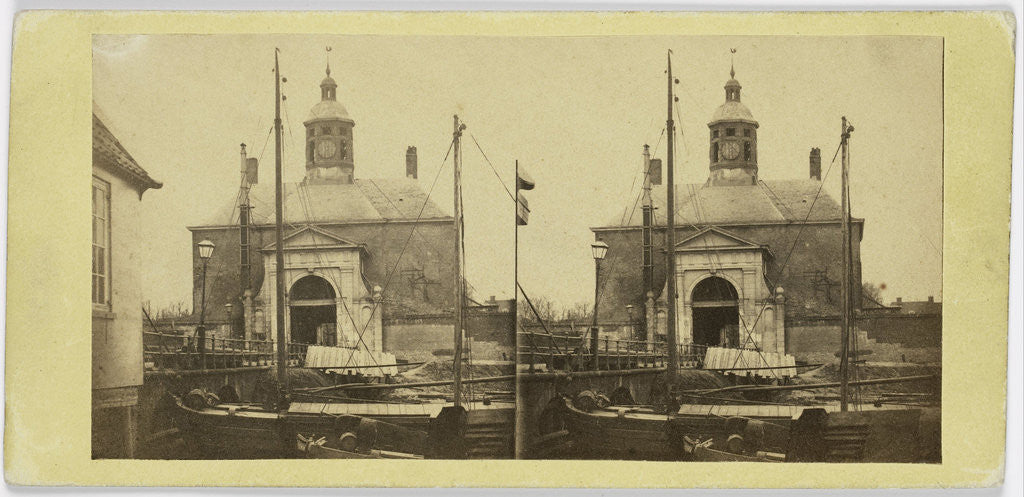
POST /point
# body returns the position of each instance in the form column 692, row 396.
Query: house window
column 747, row 151
column 730, row 131
column 100, row 243
column 326, row 130
column 746, row 132
column 714, row 133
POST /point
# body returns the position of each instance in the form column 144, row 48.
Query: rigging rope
column 803, row 225
column 390, row 276
column 509, row 192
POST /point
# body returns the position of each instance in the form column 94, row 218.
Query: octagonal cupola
column 329, row 138
column 733, row 151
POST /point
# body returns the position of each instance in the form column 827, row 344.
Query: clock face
column 730, row 150
column 325, row 149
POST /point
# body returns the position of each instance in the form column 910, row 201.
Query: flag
column 523, row 182
column 522, row 211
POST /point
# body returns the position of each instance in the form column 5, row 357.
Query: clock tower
column 733, row 152
column 329, row 138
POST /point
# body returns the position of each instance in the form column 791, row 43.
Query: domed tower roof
column 328, row 108
column 732, row 109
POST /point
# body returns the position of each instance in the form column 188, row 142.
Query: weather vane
column 328, row 55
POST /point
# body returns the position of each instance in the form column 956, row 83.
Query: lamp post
column 231, row 320
column 600, row 249
column 632, row 328
column 205, row 252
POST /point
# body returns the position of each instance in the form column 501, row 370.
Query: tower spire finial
column 732, row 63
column 328, row 54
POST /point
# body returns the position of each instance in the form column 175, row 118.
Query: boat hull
column 222, row 434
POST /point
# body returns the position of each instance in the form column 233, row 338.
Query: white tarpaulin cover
column 730, row 359
column 320, row 356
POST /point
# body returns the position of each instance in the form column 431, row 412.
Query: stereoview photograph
column 735, row 254
column 715, row 248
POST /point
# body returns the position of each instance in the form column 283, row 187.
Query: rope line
column 496, row 175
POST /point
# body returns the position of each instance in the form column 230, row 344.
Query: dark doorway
column 709, row 323
column 313, row 310
column 314, row 325
column 715, row 313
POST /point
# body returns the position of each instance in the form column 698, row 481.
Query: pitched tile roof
column 379, row 199
column 766, row 202
column 109, row 154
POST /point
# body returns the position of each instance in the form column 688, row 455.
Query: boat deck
column 431, row 409
column 748, row 411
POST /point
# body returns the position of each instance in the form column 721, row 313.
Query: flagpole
column 520, row 413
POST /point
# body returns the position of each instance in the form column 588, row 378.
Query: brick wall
column 430, row 250
column 890, row 338
column 423, row 338
column 817, row 248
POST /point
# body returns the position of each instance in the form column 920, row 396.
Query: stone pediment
column 313, row 238
column 715, row 239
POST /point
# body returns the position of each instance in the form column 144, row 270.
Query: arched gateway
column 313, row 308
column 715, row 313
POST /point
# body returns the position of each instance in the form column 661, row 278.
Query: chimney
column 249, row 168
column 410, row 163
column 252, row 170
column 816, row 164
column 899, row 300
column 655, row 171
column 931, row 299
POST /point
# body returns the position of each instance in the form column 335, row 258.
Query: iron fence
column 558, row 352
column 172, row 352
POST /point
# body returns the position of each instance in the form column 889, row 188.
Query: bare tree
column 872, row 292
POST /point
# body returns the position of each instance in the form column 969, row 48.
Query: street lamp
column 205, row 252
column 600, row 249
column 231, row 319
column 630, row 312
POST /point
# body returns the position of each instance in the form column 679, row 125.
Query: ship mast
column 673, row 350
column 282, row 343
column 460, row 283
column 847, row 291
column 648, row 246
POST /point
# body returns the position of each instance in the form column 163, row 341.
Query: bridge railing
column 568, row 352
column 172, row 352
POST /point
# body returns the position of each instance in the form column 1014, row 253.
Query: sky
column 574, row 111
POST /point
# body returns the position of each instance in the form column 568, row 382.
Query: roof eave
column 140, row 182
column 737, row 223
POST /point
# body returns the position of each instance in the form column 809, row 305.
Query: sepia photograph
column 490, row 246
column 752, row 266
column 298, row 283
column 329, row 266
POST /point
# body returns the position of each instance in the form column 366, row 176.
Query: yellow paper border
column 48, row 391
